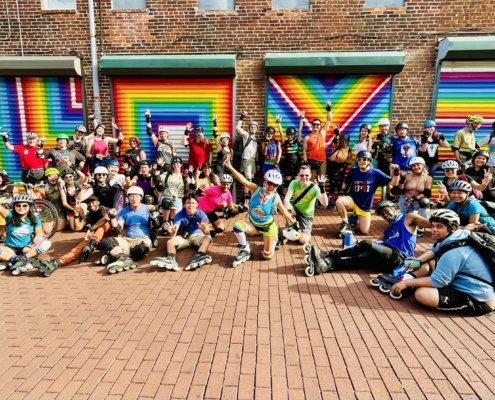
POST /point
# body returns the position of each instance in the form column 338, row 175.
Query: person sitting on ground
column 363, row 182
column 7, row 189
column 100, row 188
column 143, row 179
column 398, row 243
column 204, row 177
column 451, row 171
column 305, row 195
column 24, row 235
column 114, row 178
column 52, row 192
column 483, row 174
column 190, row 228
column 462, row 280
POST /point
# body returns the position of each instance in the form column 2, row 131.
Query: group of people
column 85, row 184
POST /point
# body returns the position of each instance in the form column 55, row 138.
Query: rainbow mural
column 47, row 106
column 173, row 102
column 356, row 99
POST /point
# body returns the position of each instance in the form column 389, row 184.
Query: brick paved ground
column 261, row 331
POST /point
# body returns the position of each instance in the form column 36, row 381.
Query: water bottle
column 399, row 272
column 348, row 239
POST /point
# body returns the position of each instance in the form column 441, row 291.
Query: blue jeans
column 412, row 207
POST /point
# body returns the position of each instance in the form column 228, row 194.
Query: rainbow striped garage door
column 47, row 106
column 356, row 99
column 173, row 102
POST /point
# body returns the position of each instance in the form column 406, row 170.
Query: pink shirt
column 100, row 147
column 213, row 197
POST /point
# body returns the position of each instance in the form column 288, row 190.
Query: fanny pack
column 36, row 173
column 262, row 228
column 314, row 164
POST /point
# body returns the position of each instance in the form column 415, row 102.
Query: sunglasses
column 316, row 124
column 362, row 159
column 68, row 177
column 304, row 176
column 449, row 170
column 100, row 174
column 22, row 205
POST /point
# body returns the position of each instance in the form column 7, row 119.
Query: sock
column 407, row 276
column 241, row 237
column 345, row 220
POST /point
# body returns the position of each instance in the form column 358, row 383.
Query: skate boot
column 345, row 226
column 122, row 263
column 421, row 232
column 3, row 266
column 20, row 265
column 384, row 284
column 46, row 267
column 319, row 261
column 243, row 255
column 331, row 204
column 88, row 250
column 105, row 259
column 164, row 231
column 198, row 260
column 169, row 262
column 353, row 220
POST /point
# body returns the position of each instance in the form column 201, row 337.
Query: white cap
column 162, row 128
column 384, row 121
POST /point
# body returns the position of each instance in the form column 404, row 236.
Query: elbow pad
column 396, row 191
column 119, row 142
column 427, row 193
column 116, row 230
column 149, row 132
column 455, row 148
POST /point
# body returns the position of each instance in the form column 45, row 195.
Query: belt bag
column 314, row 164
column 36, row 173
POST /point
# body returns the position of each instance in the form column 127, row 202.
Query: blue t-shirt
column 364, row 184
column 22, row 235
column 404, row 150
column 136, row 222
column 397, row 236
column 471, row 207
column 182, row 219
column 462, row 259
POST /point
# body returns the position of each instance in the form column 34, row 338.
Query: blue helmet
column 113, row 162
column 429, row 123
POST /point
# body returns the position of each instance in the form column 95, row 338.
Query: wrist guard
column 241, row 117
column 157, row 179
column 441, row 137
column 396, row 172
column 149, row 131
column 148, row 119
column 328, row 107
column 215, row 133
column 215, row 123
column 119, row 142
column 336, row 131
column 322, row 187
column 186, row 132
column 5, row 138
column 402, row 179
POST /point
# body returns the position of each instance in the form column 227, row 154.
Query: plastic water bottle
column 348, row 239
column 399, row 272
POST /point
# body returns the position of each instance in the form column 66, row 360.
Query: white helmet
column 291, row 234
column 446, row 216
column 417, row 160
column 450, row 164
column 162, row 128
column 226, row 178
column 135, row 190
column 273, row 176
column 384, row 121
column 101, row 170
column 224, row 135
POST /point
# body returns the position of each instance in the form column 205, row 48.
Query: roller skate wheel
column 188, row 268
column 16, row 272
column 134, row 266
column 3, row 266
column 309, row 271
column 307, row 259
column 22, row 269
column 119, row 269
column 176, row 268
column 307, row 248
column 385, row 289
column 112, row 271
column 395, row 296
column 375, row 282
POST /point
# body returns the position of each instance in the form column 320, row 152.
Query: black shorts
column 16, row 250
column 290, row 167
column 451, row 299
column 212, row 216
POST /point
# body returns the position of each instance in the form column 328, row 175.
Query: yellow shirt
column 465, row 140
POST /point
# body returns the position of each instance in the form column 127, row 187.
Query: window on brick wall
column 59, row 4
column 384, row 3
column 128, row 4
column 216, row 4
column 288, row 4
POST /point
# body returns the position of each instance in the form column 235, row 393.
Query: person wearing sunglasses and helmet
column 465, row 145
column 365, row 142
column 433, row 140
column 489, row 141
column 200, row 148
column 291, row 154
column 224, row 149
column 33, row 168
column 62, row 157
column 483, row 174
column 263, row 206
column 404, row 147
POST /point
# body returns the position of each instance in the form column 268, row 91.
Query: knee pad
column 108, row 244
column 364, row 244
column 268, row 255
column 245, row 196
column 219, row 230
column 43, row 246
column 139, row 251
column 148, row 200
column 239, row 227
column 167, row 203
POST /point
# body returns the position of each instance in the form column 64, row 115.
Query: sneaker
column 345, row 226
column 353, row 220
column 323, row 262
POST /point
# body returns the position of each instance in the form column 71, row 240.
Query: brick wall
column 173, row 26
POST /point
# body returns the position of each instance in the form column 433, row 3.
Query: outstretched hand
column 321, row 179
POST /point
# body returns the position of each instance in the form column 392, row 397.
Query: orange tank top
column 316, row 148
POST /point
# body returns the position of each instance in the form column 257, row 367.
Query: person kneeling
column 190, row 228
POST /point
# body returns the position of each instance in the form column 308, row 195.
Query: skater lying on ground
column 305, row 195
column 190, row 228
column 24, row 235
column 262, row 206
column 385, row 255
column 462, row 280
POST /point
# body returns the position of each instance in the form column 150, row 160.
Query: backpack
column 239, row 147
column 483, row 243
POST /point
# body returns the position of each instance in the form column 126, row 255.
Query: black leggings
column 373, row 255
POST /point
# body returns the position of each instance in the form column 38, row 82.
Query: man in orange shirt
column 314, row 152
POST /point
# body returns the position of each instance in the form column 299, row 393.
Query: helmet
column 22, row 198
column 401, row 125
column 474, row 119
column 290, row 130
column 62, row 136
column 226, row 178
column 416, row 160
column 384, row 121
column 445, row 216
column 461, row 185
column 483, row 153
column 100, row 126
column 270, row 129
column 424, row 202
column 145, row 162
column 199, row 129
column 450, row 164
column 31, row 135
column 101, row 170
column 52, row 171
column 135, row 190
column 493, row 125
column 81, row 128
column 148, row 200
column 382, row 204
column 364, row 154
column 429, row 123
column 253, row 123
column 113, row 161
column 273, row 176
column 162, row 128
column 224, row 135
column 345, row 137
column 175, row 159
column 291, row 234
column 206, row 165
column 365, row 126
column 66, row 172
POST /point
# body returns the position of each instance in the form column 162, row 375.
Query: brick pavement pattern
column 261, row 330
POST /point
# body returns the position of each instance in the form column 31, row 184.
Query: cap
column 91, row 198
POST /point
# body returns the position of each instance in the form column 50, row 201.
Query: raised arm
column 328, row 122
column 239, row 128
column 302, row 115
column 240, row 177
column 188, row 129
column 149, row 131
column 278, row 120
column 215, row 132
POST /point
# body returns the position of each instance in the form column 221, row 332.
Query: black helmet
column 270, row 129
column 366, row 126
column 148, row 200
column 483, row 153
column 424, row 202
column 175, row 159
column 401, row 125
column 493, row 125
column 199, row 128
column 382, row 204
column 345, row 137
column 290, row 130
column 364, row 154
